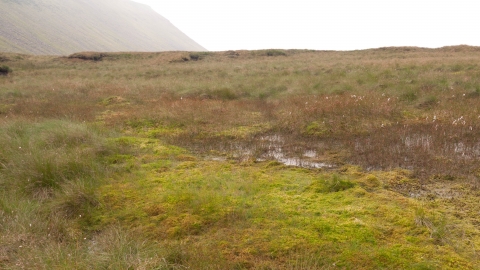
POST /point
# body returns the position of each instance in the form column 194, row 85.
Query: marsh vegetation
column 241, row 160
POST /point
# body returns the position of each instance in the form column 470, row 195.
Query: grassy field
column 266, row 159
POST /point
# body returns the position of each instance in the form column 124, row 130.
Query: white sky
column 323, row 24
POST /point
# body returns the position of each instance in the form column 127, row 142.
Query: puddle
column 303, row 163
column 310, row 154
column 417, row 140
column 415, row 149
column 271, row 147
column 306, row 161
column 215, row 158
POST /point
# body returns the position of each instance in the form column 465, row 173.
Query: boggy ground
column 241, row 160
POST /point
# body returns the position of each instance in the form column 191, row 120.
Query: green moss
column 369, row 182
column 332, row 184
column 267, row 207
column 317, row 129
column 118, row 158
column 126, row 141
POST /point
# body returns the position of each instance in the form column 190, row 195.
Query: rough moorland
column 266, row 159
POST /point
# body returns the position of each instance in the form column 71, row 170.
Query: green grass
column 147, row 161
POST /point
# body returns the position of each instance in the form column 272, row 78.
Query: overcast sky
column 220, row 25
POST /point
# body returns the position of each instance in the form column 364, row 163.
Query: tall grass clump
column 41, row 157
column 335, row 183
column 49, row 174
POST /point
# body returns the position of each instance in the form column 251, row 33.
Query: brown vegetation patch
column 93, row 56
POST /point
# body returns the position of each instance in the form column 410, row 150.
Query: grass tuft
column 39, row 157
column 4, row 70
column 335, row 183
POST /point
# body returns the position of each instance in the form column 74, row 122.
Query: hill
column 60, row 27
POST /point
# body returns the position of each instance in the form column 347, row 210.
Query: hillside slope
column 67, row 26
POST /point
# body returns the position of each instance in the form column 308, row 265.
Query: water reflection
column 272, row 147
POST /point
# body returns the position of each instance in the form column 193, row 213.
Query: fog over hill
column 61, row 27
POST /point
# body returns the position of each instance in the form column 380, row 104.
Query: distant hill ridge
column 61, row 27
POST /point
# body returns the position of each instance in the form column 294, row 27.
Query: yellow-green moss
column 262, row 209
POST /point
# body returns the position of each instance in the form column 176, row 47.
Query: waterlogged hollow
column 426, row 149
column 269, row 147
column 277, row 150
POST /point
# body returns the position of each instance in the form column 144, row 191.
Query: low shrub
column 275, row 53
column 4, row 70
column 224, row 93
column 409, row 96
column 93, row 56
column 195, row 56
column 428, row 102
